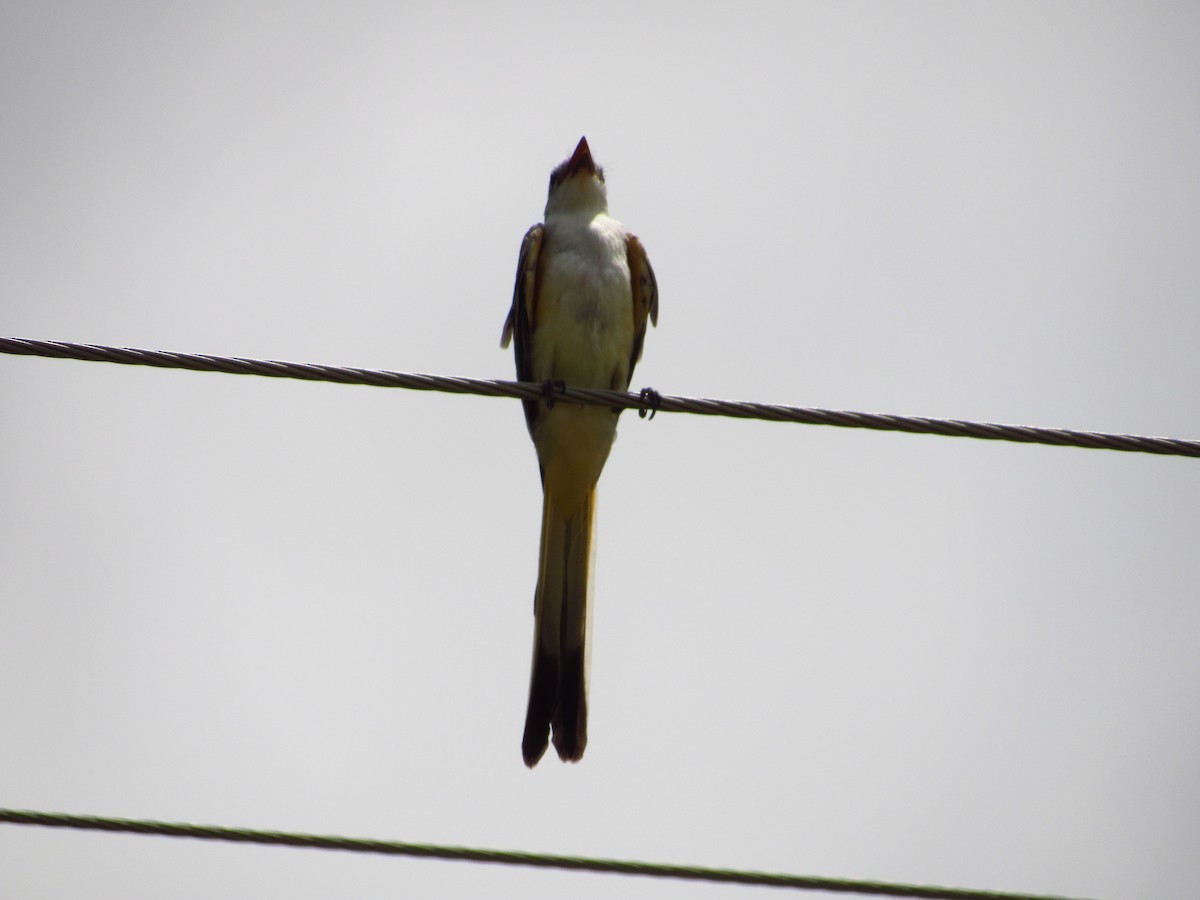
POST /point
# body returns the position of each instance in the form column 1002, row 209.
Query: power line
column 1025, row 434
column 506, row 857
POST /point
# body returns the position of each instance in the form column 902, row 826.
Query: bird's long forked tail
column 562, row 617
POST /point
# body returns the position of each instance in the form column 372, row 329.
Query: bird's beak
column 581, row 159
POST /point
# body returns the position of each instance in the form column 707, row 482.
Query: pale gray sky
column 308, row 607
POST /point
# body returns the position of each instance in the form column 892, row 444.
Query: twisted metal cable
column 1025, row 434
column 506, row 857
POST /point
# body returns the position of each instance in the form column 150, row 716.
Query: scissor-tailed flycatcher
column 584, row 291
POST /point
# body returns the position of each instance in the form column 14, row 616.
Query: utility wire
column 1025, row 434
column 507, row 857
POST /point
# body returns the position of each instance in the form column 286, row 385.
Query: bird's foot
column 652, row 400
column 552, row 390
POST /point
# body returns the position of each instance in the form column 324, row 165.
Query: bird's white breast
column 584, row 320
column 583, row 336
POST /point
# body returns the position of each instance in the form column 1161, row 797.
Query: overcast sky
column 301, row 606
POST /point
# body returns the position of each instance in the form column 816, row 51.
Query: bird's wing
column 645, row 294
column 521, row 315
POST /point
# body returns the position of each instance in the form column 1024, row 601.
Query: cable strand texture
column 1025, row 434
column 505, row 857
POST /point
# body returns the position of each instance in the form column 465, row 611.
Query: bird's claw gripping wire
column 551, row 390
column 652, row 400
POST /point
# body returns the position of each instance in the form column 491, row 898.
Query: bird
column 583, row 294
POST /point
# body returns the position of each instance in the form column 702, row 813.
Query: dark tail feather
column 558, row 683
column 570, row 717
column 543, row 691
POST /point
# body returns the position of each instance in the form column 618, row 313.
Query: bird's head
column 577, row 184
